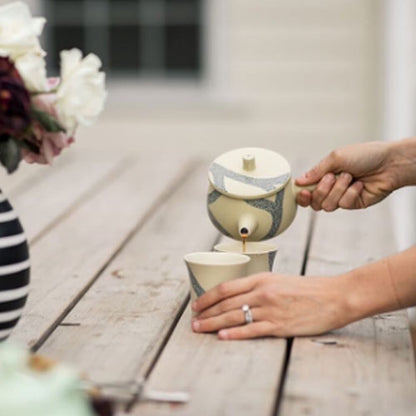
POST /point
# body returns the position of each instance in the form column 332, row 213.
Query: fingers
column 304, row 198
column 228, row 319
column 231, row 325
column 352, row 197
column 331, row 163
column 254, row 330
column 229, row 304
column 331, row 201
column 333, row 192
column 322, row 190
column 224, row 291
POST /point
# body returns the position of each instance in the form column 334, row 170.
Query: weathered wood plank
column 411, row 313
column 367, row 368
column 66, row 262
column 43, row 199
column 121, row 322
column 226, row 377
column 26, row 175
column 413, row 336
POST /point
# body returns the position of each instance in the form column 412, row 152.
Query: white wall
column 400, row 109
column 298, row 76
column 400, row 100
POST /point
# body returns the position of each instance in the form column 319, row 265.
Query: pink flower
column 14, row 101
column 50, row 144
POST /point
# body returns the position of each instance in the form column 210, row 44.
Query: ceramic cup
column 208, row 269
column 262, row 255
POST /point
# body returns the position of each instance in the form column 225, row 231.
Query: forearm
column 382, row 286
column 403, row 161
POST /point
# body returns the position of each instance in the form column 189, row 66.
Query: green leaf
column 47, row 121
column 32, row 147
column 10, row 154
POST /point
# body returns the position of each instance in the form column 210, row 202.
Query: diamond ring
column 247, row 314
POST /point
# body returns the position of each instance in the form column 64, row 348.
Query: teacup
column 262, row 255
column 209, row 269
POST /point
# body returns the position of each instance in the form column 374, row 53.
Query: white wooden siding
column 299, row 77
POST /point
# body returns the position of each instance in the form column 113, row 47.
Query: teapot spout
column 247, row 224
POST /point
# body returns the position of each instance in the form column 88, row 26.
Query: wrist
column 345, row 310
column 402, row 160
column 368, row 291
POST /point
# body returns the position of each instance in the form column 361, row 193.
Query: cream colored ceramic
column 208, row 269
column 251, row 192
column 261, row 255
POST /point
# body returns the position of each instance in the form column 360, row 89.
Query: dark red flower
column 15, row 115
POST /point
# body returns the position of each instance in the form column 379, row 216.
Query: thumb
column 314, row 175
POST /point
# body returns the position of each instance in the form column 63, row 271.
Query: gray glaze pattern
column 219, row 173
column 198, row 289
column 272, row 255
column 274, row 208
column 213, row 196
column 217, row 225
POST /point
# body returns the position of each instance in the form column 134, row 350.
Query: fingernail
column 194, row 306
column 195, row 325
column 223, row 334
column 346, row 175
column 329, row 178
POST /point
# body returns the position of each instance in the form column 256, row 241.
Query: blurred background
column 302, row 76
column 298, row 76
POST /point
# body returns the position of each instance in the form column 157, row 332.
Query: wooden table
column 109, row 294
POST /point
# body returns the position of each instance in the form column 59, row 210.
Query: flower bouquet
column 38, row 119
column 39, row 115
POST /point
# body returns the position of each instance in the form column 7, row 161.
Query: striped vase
column 14, row 268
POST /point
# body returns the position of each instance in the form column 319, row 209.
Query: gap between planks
column 124, row 323
column 57, row 279
column 150, row 212
column 242, row 376
column 96, row 187
column 181, row 311
column 289, row 342
column 58, row 190
column 366, row 367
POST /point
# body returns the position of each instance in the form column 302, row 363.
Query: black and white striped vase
column 14, row 268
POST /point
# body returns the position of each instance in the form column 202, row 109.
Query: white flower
column 32, row 69
column 81, row 93
column 19, row 31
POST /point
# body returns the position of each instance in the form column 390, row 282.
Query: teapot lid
column 249, row 173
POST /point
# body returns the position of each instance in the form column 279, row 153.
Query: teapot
column 251, row 194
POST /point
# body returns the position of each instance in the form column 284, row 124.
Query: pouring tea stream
column 252, row 194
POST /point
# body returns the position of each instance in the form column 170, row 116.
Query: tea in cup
column 209, row 269
column 262, row 255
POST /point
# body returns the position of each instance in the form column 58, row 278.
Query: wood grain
column 123, row 320
column 26, row 175
column 59, row 189
column 66, row 262
column 366, row 368
column 226, row 377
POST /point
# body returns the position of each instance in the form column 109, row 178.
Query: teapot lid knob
column 249, row 162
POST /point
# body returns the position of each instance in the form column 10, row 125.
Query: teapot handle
column 298, row 188
column 311, row 188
